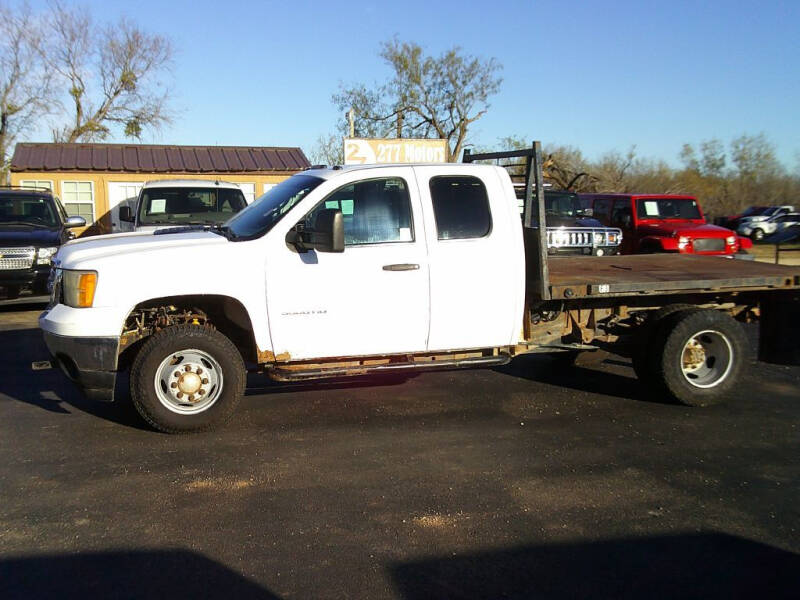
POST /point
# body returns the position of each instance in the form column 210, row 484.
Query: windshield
column 28, row 210
column 667, row 208
column 263, row 214
column 189, row 205
column 562, row 204
column 754, row 210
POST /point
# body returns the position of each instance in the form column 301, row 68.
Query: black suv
column 33, row 224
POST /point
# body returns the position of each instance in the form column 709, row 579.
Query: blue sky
column 595, row 75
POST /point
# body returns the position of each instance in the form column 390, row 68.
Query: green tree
column 427, row 97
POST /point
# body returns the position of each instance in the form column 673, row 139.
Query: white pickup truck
column 347, row 271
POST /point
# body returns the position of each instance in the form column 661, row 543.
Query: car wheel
column 757, row 235
column 187, row 378
column 697, row 357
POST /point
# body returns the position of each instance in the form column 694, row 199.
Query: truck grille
column 16, row 258
column 709, row 245
column 582, row 237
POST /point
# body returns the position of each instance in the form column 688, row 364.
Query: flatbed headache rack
column 575, row 277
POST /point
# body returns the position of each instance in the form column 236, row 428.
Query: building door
column 121, row 193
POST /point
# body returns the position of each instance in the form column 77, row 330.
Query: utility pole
column 351, row 122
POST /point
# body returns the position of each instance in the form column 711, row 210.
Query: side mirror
column 75, row 222
column 327, row 235
column 125, row 214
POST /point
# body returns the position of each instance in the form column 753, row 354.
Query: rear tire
column 698, row 357
column 187, row 378
column 641, row 359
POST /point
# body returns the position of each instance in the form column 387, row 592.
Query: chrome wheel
column 188, row 382
column 706, row 359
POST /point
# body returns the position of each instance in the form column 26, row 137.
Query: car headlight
column 730, row 240
column 683, row 241
column 79, row 288
column 599, row 239
column 45, row 255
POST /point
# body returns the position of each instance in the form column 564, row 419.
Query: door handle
column 401, row 267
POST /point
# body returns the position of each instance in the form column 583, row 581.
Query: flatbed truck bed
column 573, row 277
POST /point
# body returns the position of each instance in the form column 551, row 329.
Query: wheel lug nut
column 180, row 394
column 204, row 381
column 187, row 368
column 177, row 373
column 201, row 391
column 199, row 371
column 173, row 384
column 191, row 397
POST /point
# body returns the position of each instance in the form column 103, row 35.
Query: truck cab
column 664, row 223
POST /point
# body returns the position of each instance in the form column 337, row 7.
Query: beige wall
column 100, row 183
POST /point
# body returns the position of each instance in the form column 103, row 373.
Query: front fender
column 662, row 244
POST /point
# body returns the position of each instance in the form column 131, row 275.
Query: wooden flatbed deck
column 649, row 274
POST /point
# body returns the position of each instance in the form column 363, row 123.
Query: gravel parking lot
column 519, row 482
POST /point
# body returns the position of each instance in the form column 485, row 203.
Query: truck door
column 122, row 193
column 371, row 299
column 476, row 257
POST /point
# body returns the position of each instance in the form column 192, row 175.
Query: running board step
column 298, row 374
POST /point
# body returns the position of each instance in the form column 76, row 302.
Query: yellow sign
column 359, row 151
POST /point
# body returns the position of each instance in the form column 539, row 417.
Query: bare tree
column 426, row 96
column 26, row 91
column 112, row 76
column 328, row 151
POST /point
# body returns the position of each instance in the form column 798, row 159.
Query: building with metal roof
column 92, row 180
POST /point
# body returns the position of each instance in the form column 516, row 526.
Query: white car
column 760, row 229
column 183, row 202
column 772, row 211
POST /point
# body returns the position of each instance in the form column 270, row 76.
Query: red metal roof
column 138, row 158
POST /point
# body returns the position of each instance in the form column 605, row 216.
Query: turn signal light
column 79, row 288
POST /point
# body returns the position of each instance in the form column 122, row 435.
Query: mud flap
column 779, row 339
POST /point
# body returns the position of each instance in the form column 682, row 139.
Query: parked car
column 665, row 223
column 770, row 212
column 758, row 230
column 183, row 202
column 733, row 221
column 33, row 225
column 571, row 229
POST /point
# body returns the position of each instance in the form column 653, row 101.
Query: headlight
column 683, row 241
column 44, row 255
column 79, row 287
column 731, row 240
column 599, row 239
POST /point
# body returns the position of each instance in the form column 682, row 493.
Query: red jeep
column 663, row 223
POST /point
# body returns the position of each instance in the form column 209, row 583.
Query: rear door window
column 461, row 207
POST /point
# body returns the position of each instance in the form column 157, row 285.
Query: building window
column 269, row 186
column 461, row 207
column 248, row 189
column 37, row 183
column 78, row 198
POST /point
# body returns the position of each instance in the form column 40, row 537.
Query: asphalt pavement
column 526, row 481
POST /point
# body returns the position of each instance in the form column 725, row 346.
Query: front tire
column 698, row 357
column 187, row 378
column 757, row 235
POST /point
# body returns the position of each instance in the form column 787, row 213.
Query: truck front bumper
column 89, row 362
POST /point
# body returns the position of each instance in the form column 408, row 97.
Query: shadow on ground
column 705, row 565
column 124, row 574
column 582, row 376
column 49, row 389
